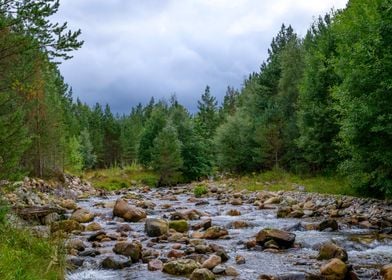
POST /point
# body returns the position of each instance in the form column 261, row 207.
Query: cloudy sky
column 135, row 49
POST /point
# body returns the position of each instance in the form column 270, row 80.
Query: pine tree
column 166, row 156
column 87, row 150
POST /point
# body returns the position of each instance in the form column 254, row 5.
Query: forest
column 320, row 104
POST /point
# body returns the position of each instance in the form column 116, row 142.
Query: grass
column 119, row 178
column 277, row 180
column 199, row 190
column 25, row 256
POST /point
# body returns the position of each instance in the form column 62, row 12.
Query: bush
column 199, row 190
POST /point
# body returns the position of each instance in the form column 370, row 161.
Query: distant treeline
column 321, row 104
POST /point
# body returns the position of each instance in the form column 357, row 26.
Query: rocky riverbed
column 168, row 233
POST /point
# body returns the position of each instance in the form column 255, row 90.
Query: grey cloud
column 138, row 49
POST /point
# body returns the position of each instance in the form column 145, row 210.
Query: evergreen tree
column 317, row 117
column 364, row 99
column 166, row 156
column 87, row 150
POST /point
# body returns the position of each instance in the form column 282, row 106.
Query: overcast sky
column 137, row 49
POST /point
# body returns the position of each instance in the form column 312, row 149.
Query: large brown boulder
column 66, row 226
column 116, row 262
column 334, row 270
column 330, row 250
column 129, row 213
column 202, row 274
column 156, row 227
column 180, row 267
column 129, row 249
column 386, row 272
column 215, row 232
column 82, row 216
column 283, row 239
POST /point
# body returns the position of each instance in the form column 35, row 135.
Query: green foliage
column 166, row 156
column 364, row 100
column 24, row 256
column 200, row 190
column 86, row 150
column 74, row 156
column 153, row 127
column 317, row 117
column 119, row 178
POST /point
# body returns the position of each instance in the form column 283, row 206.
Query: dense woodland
column 318, row 105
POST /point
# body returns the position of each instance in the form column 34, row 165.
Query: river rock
column 219, row 251
column 334, row 270
column 76, row 244
column 202, row 274
column 51, row 218
column 211, row 262
column 272, row 200
column 155, row 265
column 329, row 224
column 156, row 227
column 330, row 250
column 116, row 262
column 215, row 232
column 283, row 211
column 82, row 215
column 130, row 249
column 180, row 267
column 386, row 272
column 179, row 225
column 94, row 226
column 284, row 239
column 231, row 271
column 233, row 212
column 240, row 259
column 204, row 224
column 68, row 204
column 219, row 269
column 66, row 226
column 129, row 213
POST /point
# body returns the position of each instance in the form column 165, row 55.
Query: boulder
column 51, row 218
column 94, row 226
column 204, row 224
column 231, row 271
column 156, row 227
column 329, row 224
column 179, row 225
column 233, row 212
column 283, row 239
column 215, row 232
column 130, row 249
column 76, row 244
column 82, row 215
column 240, row 259
column 129, row 213
column 386, row 272
column 202, row 274
column 283, row 211
column 211, row 262
column 66, row 226
column 155, row 265
column 116, row 262
column 330, row 250
column 334, row 270
column 180, row 267
column 68, row 204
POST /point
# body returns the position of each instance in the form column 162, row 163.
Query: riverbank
column 106, row 238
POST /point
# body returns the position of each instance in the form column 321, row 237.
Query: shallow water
column 366, row 257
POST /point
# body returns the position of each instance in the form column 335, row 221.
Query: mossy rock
column 66, row 226
column 179, row 225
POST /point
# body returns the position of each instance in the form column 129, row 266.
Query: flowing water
column 366, row 252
